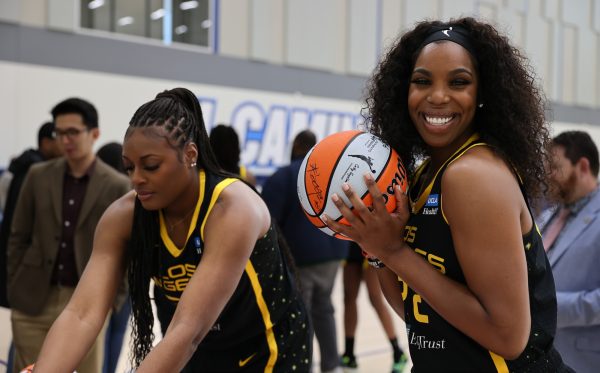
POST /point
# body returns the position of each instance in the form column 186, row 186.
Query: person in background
column 572, row 240
column 461, row 259
column 47, row 149
column 208, row 242
column 112, row 154
column 356, row 270
column 317, row 255
column 226, row 145
column 52, row 231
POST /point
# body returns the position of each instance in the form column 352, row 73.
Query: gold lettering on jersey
column 410, row 233
column 177, row 277
column 423, row 319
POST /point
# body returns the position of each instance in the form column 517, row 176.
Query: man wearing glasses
column 51, row 238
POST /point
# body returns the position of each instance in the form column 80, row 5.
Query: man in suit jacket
column 572, row 240
column 53, row 227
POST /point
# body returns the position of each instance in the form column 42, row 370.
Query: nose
column 438, row 95
column 136, row 177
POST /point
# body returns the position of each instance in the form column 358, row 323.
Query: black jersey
column 263, row 327
column 437, row 346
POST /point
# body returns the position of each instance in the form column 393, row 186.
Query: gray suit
column 36, row 228
column 575, row 261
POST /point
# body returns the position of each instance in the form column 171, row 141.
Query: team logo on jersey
column 432, row 200
column 198, row 245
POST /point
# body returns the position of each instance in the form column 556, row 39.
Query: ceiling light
column 182, row 29
column 124, row 21
column 187, row 5
column 95, row 4
column 157, row 14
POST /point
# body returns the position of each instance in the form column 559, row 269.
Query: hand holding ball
column 345, row 157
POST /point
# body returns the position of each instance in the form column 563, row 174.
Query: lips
column 144, row 195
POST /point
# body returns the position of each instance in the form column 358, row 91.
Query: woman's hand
column 378, row 232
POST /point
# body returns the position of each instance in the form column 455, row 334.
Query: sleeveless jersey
column 264, row 326
column 437, row 346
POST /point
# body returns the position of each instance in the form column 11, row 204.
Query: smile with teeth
column 437, row 120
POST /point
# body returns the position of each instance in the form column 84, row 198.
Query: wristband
column 375, row 263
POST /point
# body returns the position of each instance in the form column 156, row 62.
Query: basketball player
column 207, row 241
column 464, row 263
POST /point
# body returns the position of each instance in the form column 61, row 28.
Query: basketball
column 345, row 157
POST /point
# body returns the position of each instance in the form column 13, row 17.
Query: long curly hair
column 179, row 112
column 512, row 119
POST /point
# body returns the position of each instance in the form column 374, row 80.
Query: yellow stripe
column 499, row 363
column 170, row 245
column 243, row 172
column 264, row 311
column 421, row 199
column 217, row 191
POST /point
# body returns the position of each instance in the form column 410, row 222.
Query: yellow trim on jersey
column 264, row 311
column 243, row 172
column 169, row 244
column 449, row 163
column 499, row 363
column 216, row 192
column 422, row 198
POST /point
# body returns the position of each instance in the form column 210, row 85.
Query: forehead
column 63, row 121
column 145, row 139
column 444, row 54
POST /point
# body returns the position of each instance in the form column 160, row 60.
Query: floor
column 372, row 348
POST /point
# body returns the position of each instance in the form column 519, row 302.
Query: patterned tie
column 554, row 228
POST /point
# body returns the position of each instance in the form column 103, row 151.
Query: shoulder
column 52, row 165
column 113, row 175
column 119, row 211
column 240, row 201
column 481, row 176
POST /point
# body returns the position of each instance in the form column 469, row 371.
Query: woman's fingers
column 378, row 200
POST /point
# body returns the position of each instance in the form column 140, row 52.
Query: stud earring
column 480, row 105
column 193, row 164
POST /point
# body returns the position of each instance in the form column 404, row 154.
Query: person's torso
column 437, row 346
column 265, row 289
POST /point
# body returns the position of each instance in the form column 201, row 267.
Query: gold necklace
column 171, row 226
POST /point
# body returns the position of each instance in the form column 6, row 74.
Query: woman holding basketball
column 476, row 289
column 206, row 240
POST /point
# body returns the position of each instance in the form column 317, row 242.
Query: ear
column 95, row 133
column 583, row 164
column 190, row 153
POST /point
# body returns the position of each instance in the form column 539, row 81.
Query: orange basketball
column 345, row 157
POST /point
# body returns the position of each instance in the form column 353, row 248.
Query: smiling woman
column 223, row 283
column 464, row 264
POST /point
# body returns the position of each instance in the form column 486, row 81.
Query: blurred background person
column 52, row 231
column 572, row 241
column 226, row 145
column 356, row 270
column 317, row 255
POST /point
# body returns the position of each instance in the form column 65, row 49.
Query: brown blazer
column 36, row 227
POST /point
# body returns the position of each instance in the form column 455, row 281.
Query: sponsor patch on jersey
column 432, row 200
column 198, row 244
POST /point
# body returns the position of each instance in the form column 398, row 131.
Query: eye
column 458, row 82
column 420, row 81
column 151, row 167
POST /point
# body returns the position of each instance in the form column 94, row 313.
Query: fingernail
column 368, row 176
column 345, row 187
column 335, row 197
column 324, row 218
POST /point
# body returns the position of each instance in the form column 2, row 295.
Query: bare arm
column 75, row 330
column 391, row 290
column 487, row 216
column 237, row 220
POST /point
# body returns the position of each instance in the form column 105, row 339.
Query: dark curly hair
column 512, row 119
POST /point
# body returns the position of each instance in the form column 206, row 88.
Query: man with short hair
column 47, row 149
column 52, row 232
column 572, row 241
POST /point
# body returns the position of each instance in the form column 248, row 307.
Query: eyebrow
column 459, row 70
column 141, row 158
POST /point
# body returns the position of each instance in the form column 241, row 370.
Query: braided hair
column 179, row 113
